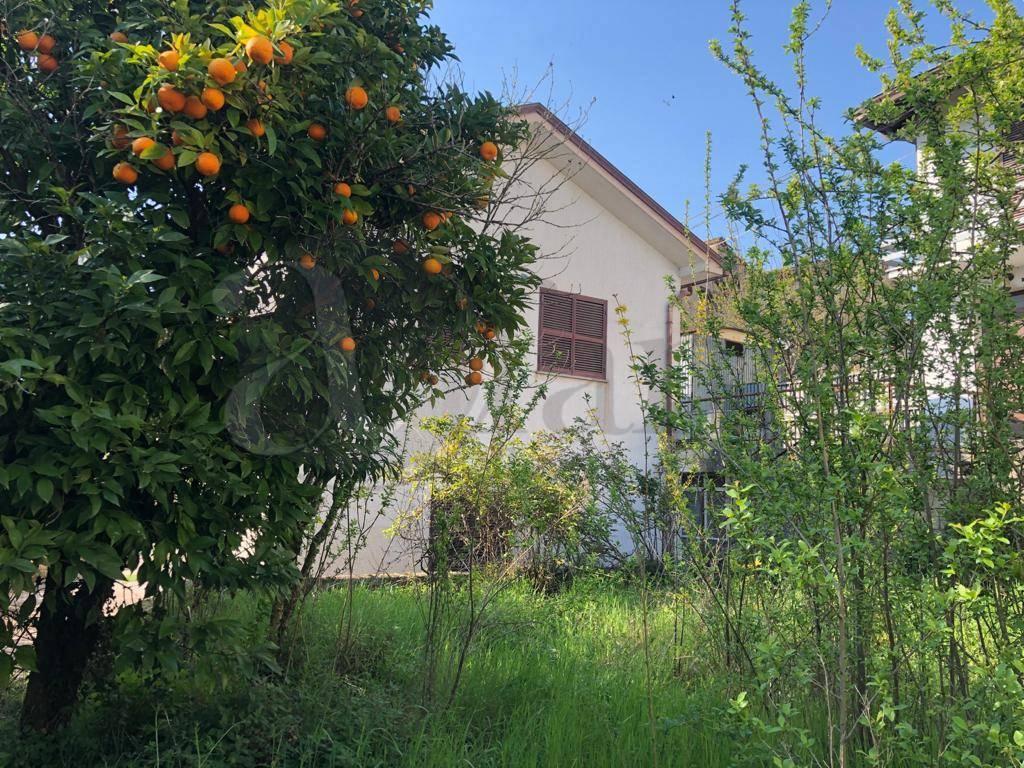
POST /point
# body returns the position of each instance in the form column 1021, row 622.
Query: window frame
column 572, row 336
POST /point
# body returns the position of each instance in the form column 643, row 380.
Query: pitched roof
column 626, row 185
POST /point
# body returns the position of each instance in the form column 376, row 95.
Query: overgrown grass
column 551, row 681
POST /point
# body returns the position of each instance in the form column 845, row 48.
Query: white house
column 604, row 243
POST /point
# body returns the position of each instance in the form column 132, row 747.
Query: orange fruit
column 241, row 66
column 341, row 189
column 141, row 144
column 432, row 266
column 170, row 98
column 259, row 49
column 433, row 380
column 176, row 139
column 400, row 247
column 238, row 213
column 370, row 304
column 393, row 114
column 349, row 217
column 255, row 127
column 195, row 108
column 125, row 173
column 411, row 190
column 45, row 44
column 221, row 71
column 27, row 40
column 476, row 364
column 431, row 220
column 374, row 275
column 474, row 378
column 118, row 37
column 481, row 327
column 307, row 261
column 317, row 132
column 225, row 248
column 347, row 344
column 358, row 13
column 168, row 60
column 490, row 334
column 489, row 151
column 46, row 63
column 213, row 98
column 356, row 97
column 120, row 138
column 208, row 164
column 287, row 53
column 166, row 161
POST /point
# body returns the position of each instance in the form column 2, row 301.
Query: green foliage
column 172, row 396
column 556, row 679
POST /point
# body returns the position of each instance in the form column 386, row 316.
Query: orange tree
column 235, row 244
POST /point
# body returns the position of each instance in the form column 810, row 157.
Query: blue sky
column 653, row 89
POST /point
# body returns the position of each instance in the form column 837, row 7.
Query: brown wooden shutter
column 555, row 351
column 573, row 335
column 588, row 353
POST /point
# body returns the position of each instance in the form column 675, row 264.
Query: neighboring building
column 738, row 386
column 603, row 243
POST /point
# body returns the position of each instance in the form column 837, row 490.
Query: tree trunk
column 67, row 632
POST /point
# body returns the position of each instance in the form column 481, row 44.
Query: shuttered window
column 573, row 334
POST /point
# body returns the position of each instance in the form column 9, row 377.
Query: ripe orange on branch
column 349, row 217
column 432, row 266
column 195, row 108
column 141, row 144
column 259, row 49
column 356, row 97
column 489, row 151
column 474, row 378
column 307, row 261
column 125, row 173
column 166, row 161
column 221, row 71
column 317, row 132
column 120, row 138
column 287, row 53
column 208, row 164
column 47, row 63
column 238, row 213
column 347, row 344
column 341, row 189
column 213, row 98
column 118, row 37
column 255, row 127
column 169, row 60
column 27, row 40
column 431, row 220
column 393, row 114
column 170, row 98
column 45, row 44
column 476, row 364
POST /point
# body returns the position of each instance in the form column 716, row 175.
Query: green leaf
column 184, row 352
column 271, row 140
column 44, row 489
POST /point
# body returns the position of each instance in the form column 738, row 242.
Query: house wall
column 587, row 249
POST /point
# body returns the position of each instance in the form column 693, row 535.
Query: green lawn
column 551, row 681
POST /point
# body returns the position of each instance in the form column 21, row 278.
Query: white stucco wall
column 586, row 249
